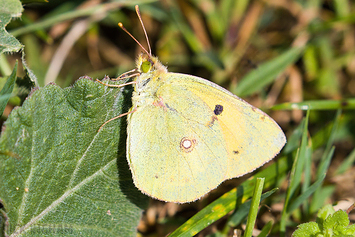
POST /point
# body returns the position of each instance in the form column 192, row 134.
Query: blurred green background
column 267, row 52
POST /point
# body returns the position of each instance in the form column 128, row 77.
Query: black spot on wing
column 218, row 109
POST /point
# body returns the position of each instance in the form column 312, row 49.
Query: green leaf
column 308, row 192
column 324, row 163
column 254, row 207
column 30, row 77
column 33, row 1
column 307, row 229
column 347, row 163
column 296, row 173
column 6, row 91
column 267, row 72
column 295, row 180
column 8, row 10
column 12, row 7
column 329, row 223
column 323, row 213
column 242, row 211
column 318, row 105
column 265, row 231
column 311, row 64
column 293, row 141
column 337, row 224
column 59, row 174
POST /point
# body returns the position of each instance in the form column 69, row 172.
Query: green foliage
column 254, row 207
column 8, row 10
column 59, row 174
column 319, row 105
column 232, row 201
column 329, row 223
column 266, row 73
column 6, row 91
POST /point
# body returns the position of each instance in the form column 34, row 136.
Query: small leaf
column 323, row 213
column 6, row 91
column 8, row 10
column 12, row 7
column 307, row 229
column 59, row 174
column 336, row 223
column 329, row 223
column 30, row 77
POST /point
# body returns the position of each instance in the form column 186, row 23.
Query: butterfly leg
column 114, row 118
column 124, row 84
column 123, row 75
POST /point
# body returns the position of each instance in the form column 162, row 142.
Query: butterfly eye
column 146, row 66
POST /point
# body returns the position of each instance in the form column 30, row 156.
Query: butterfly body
column 186, row 135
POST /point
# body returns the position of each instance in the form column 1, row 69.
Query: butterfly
column 186, row 135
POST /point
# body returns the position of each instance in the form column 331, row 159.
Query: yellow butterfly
column 186, row 135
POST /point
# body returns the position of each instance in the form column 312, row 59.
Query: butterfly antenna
column 145, row 32
column 125, row 30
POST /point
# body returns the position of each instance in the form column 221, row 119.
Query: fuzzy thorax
column 151, row 77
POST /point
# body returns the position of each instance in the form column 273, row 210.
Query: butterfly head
column 147, row 64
